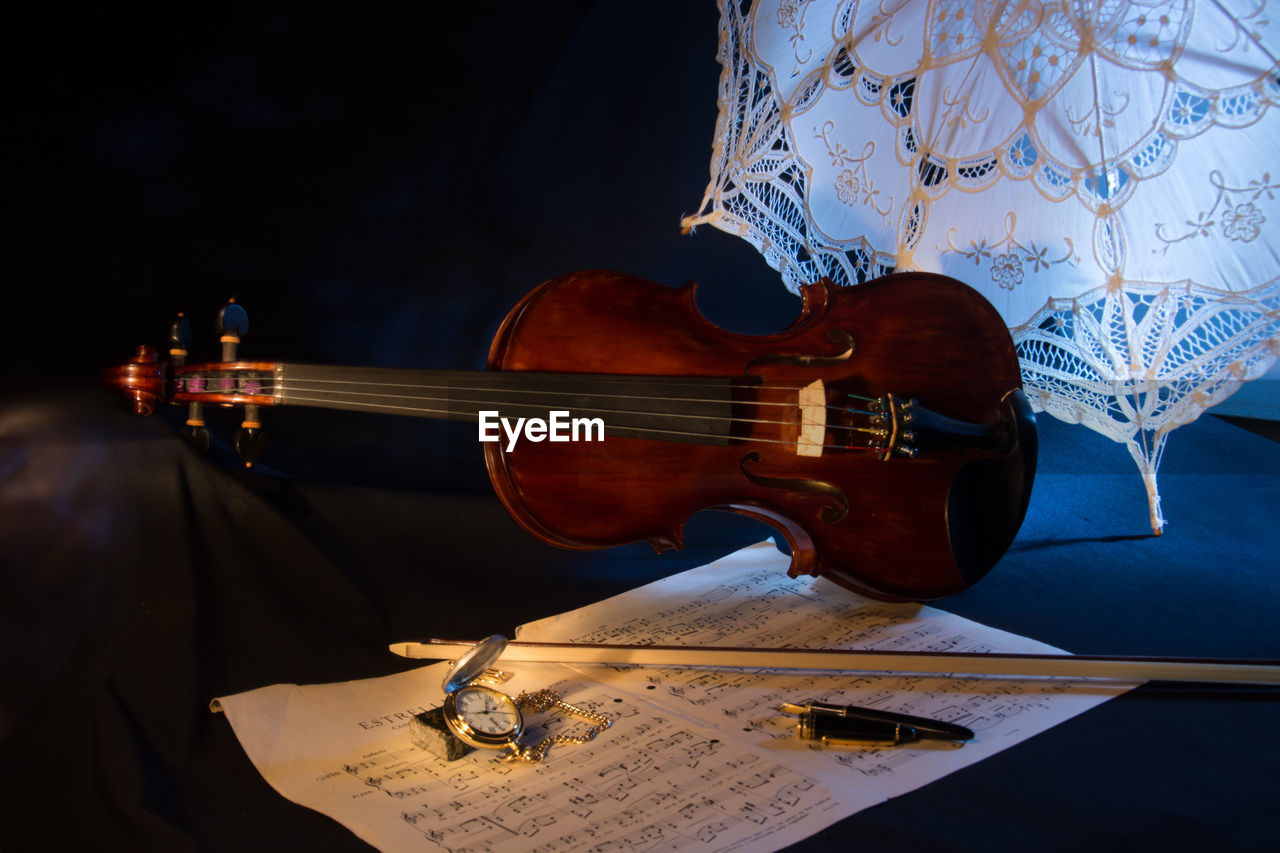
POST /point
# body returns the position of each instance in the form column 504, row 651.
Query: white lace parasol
column 1099, row 170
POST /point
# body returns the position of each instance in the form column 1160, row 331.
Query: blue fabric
column 1085, row 548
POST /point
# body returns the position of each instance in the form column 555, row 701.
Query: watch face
column 482, row 716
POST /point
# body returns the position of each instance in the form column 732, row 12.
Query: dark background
column 379, row 186
column 373, row 187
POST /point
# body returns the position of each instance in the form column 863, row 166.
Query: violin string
column 358, row 398
column 466, row 415
column 670, row 381
column 297, row 384
column 293, row 386
column 353, row 398
column 584, row 377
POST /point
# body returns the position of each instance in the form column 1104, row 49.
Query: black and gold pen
column 827, row 723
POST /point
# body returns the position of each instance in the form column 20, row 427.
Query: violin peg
column 250, row 444
column 250, row 441
column 196, row 434
column 197, row 438
column 233, row 324
column 179, row 340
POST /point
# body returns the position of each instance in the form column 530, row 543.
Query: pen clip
column 818, row 708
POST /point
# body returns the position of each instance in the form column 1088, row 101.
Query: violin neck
column 393, row 391
column 688, row 409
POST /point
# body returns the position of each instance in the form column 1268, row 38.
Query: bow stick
column 1111, row 668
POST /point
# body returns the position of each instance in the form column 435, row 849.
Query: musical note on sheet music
column 695, row 760
column 629, row 791
column 751, row 605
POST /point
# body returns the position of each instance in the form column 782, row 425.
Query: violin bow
column 947, row 664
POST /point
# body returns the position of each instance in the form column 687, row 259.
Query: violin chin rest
column 989, row 497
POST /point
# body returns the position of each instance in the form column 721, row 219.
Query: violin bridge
column 812, row 400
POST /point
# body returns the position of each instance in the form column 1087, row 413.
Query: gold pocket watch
column 476, row 714
column 482, row 716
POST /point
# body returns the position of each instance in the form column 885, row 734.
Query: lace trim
column 1130, row 359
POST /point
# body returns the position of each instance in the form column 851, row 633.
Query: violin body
column 885, row 524
column 884, row 433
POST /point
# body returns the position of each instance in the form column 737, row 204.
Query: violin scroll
column 141, row 380
column 146, row 381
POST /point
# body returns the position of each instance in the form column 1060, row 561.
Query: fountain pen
column 822, row 721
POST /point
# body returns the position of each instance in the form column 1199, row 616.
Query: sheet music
column 652, row 781
column 695, row 760
column 747, row 599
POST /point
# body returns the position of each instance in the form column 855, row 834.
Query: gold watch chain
column 545, row 700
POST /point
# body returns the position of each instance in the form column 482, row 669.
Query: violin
column 884, row 433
